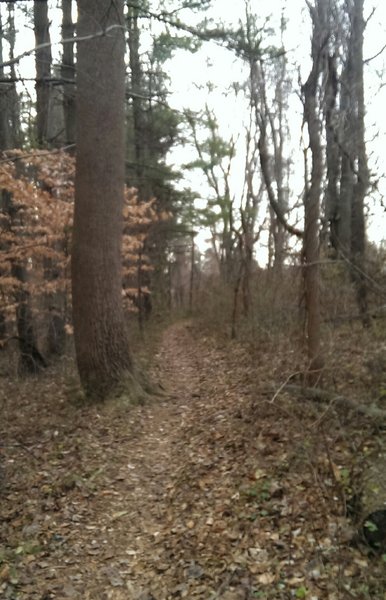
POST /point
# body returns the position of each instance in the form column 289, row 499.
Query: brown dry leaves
column 214, row 492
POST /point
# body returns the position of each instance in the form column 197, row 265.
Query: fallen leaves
column 209, row 494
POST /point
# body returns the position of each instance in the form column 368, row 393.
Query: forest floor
column 220, row 489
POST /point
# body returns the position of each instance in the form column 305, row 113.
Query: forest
column 192, row 300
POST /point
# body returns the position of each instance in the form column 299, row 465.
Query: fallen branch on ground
column 325, row 396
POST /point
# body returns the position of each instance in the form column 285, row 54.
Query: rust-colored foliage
column 36, row 213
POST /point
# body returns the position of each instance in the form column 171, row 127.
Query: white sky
column 190, row 72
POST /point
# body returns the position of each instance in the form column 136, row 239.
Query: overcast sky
column 190, row 72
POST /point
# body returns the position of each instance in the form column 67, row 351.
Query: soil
column 219, row 489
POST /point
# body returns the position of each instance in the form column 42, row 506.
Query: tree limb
column 72, row 40
column 264, row 163
column 324, row 396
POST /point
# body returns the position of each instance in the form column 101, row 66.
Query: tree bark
column 4, row 145
column 358, row 228
column 312, row 199
column 43, row 60
column 16, row 137
column 280, row 165
column 4, row 100
column 136, row 80
column 31, row 362
column 265, row 170
column 247, row 276
column 347, row 169
column 332, row 152
column 191, row 278
column 30, row 359
column 343, row 220
column 68, row 72
column 53, row 116
column 101, row 338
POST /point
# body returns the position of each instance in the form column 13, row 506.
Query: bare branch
column 264, row 163
column 367, row 60
column 29, row 154
column 83, row 38
column 324, row 396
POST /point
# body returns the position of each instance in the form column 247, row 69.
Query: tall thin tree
column 68, row 72
column 313, row 191
column 43, row 59
column 358, row 227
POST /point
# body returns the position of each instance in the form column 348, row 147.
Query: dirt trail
column 100, row 520
column 210, row 492
column 146, row 468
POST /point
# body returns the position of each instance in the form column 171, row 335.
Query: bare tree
column 312, row 192
column 138, row 110
column 30, row 359
column 347, row 170
column 214, row 159
column 68, row 72
column 358, row 233
column 250, row 204
column 43, row 60
column 4, row 99
column 13, row 97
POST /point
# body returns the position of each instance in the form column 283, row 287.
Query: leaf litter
column 214, row 491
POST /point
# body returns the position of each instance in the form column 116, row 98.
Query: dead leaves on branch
column 36, row 223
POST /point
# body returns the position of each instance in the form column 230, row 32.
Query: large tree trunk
column 101, row 338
